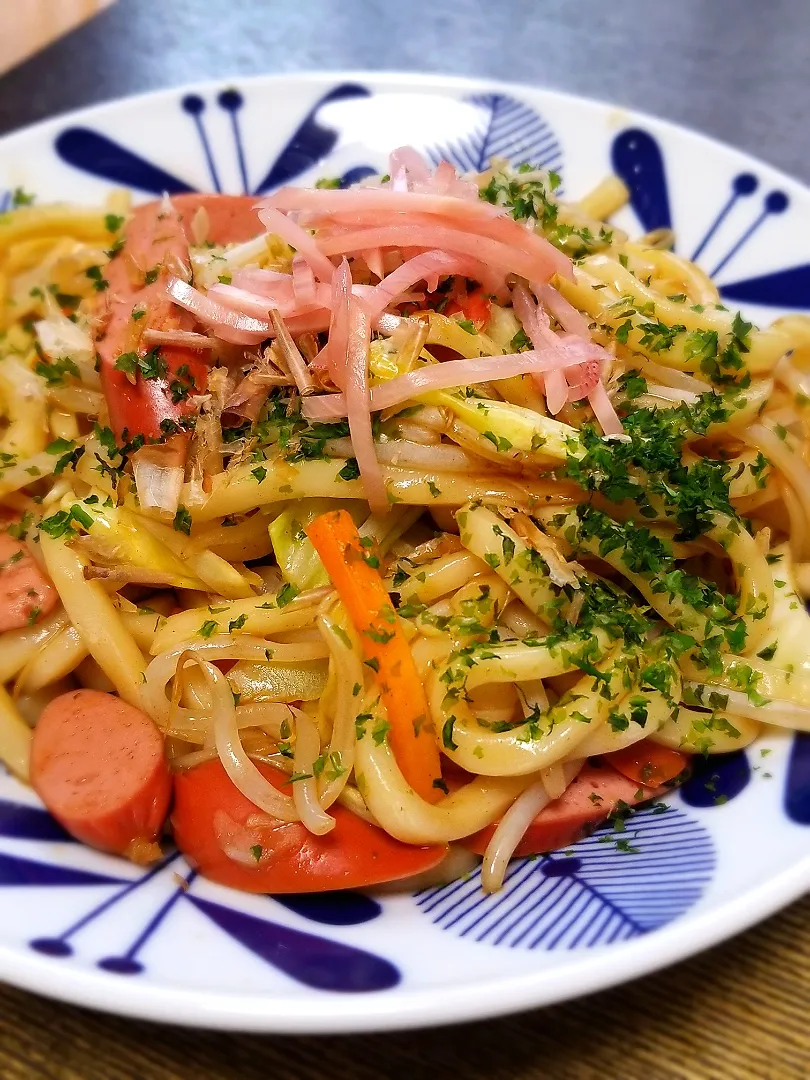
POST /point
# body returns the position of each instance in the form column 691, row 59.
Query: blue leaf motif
column 311, row 142
column 87, row 150
column 783, row 288
column 797, row 787
column 595, row 896
column 15, row 870
column 332, row 908
column 312, row 960
column 356, row 174
column 507, row 128
column 23, row 822
column 637, row 159
column 716, row 779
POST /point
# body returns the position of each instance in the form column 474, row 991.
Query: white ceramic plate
column 734, row 844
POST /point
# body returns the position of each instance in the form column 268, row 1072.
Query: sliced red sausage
column 26, row 594
column 155, row 245
column 232, row 219
column 233, row 842
column 98, row 765
column 595, row 794
column 156, row 240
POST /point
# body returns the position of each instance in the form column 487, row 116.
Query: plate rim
column 351, row 1014
column 273, row 1013
column 470, row 82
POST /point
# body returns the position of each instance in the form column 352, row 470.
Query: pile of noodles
column 557, row 579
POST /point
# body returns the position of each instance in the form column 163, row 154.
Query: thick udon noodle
column 489, row 545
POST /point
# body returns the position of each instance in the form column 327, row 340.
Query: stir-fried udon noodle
column 435, row 506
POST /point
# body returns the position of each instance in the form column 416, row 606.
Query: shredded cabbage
column 296, row 557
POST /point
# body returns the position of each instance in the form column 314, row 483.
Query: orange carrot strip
column 648, row 763
column 361, row 588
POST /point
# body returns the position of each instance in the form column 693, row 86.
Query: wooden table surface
column 733, row 68
column 738, row 1012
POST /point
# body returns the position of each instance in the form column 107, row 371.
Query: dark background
column 738, row 70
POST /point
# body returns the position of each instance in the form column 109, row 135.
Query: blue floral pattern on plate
column 311, row 144
column 590, row 895
column 504, row 127
column 308, row 958
column 797, row 788
column 593, row 897
column 638, row 159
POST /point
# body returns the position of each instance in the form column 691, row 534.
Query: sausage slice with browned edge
column 26, row 594
column 596, row 793
column 231, row 841
column 98, row 765
column 156, row 240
